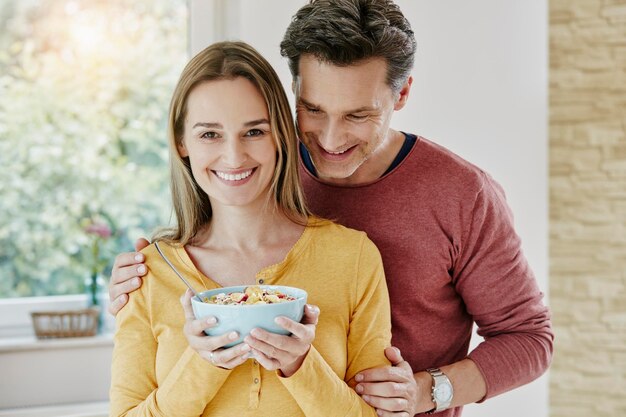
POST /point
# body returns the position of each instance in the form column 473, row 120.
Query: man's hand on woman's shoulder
column 126, row 276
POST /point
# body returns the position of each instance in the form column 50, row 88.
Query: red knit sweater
column 451, row 258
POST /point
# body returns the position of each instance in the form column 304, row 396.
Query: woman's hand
column 286, row 353
column 208, row 347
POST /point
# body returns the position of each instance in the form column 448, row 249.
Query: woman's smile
column 235, row 178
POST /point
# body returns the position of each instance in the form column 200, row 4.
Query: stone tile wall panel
column 588, row 207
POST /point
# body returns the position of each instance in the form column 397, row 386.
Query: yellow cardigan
column 156, row 373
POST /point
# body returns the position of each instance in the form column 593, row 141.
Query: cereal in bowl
column 251, row 295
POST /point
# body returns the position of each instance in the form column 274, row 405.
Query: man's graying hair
column 344, row 32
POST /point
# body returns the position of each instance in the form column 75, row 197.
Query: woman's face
column 228, row 141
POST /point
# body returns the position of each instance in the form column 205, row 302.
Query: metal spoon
column 156, row 245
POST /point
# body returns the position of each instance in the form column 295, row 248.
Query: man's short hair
column 344, row 32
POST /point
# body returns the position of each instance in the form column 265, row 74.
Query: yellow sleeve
column 187, row 389
column 315, row 387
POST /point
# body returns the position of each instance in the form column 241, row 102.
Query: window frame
column 15, row 320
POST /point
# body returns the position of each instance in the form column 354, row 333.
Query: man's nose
column 331, row 136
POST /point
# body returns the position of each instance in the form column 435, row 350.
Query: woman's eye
column 255, row 132
column 209, row 135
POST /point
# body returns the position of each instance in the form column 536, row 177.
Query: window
column 84, row 94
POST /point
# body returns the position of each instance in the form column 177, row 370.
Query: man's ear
column 403, row 95
column 182, row 150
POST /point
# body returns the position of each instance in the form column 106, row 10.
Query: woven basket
column 74, row 323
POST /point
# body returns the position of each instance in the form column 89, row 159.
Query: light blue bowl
column 244, row 318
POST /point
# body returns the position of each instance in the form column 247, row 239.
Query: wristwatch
column 442, row 391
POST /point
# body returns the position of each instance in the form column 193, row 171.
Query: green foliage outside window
column 84, row 93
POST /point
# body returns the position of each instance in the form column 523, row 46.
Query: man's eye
column 312, row 110
column 357, row 116
column 255, row 132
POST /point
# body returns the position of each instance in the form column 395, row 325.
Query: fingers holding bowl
column 230, row 358
column 285, row 338
column 241, row 316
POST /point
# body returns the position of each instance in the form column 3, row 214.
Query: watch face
column 443, row 393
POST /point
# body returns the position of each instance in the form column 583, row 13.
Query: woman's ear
column 182, row 150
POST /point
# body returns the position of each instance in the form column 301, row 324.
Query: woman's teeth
column 234, row 177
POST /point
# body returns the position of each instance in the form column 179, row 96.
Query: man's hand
column 125, row 276
column 392, row 390
column 274, row 351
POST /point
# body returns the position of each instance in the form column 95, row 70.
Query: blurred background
column 531, row 91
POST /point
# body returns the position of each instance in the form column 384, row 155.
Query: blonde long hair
column 228, row 60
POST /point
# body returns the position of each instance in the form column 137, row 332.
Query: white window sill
column 15, row 320
column 31, row 343
column 95, row 409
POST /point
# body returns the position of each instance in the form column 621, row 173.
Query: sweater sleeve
column 187, row 389
column 369, row 334
column 501, row 294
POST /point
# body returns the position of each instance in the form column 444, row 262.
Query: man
column 444, row 230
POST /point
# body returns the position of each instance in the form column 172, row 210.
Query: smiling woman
column 83, row 105
column 241, row 221
column 238, row 152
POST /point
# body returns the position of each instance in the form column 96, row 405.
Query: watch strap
column 438, row 377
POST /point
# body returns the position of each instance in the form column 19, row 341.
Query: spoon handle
column 156, row 244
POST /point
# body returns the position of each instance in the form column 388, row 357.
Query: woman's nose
column 234, row 154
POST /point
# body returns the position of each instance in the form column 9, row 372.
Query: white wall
column 480, row 89
column 481, row 80
column 55, row 371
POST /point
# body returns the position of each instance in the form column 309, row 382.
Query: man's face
column 343, row 114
